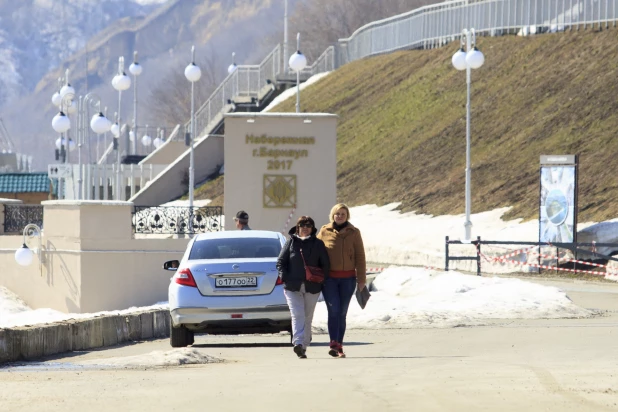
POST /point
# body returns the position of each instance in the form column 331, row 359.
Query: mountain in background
column 39, row 39
column 37, row 35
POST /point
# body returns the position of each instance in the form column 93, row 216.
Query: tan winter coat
column 345, row 249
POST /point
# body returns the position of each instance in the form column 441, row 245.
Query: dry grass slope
column 401, row 135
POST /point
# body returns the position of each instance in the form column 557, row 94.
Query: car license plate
column 240, row 282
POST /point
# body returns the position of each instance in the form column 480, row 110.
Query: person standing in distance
column 242, row 220
column 348, row 270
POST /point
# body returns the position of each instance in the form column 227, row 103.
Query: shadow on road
column 404, row 357
column 242, row 345
column 344, row 343
column 266, row 344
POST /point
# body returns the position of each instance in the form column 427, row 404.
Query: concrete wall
column 44, row 340
column 90, row 261
column 27, row 198
column 269, row 171
column 165, row 154
column 169, row 184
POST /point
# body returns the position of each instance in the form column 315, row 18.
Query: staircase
column 250, row 88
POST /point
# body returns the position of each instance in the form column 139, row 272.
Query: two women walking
column 337, row 249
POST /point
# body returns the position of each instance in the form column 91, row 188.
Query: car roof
column 228, row 234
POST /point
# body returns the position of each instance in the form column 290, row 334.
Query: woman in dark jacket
column 301, row 294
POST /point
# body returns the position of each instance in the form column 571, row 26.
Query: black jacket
column 290, row 263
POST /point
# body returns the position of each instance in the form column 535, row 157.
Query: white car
column 227, row 283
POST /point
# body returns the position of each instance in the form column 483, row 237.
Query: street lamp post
column 298, row 62
column 193, row 74
column 67, row 94
column 232, row 67
column 99, row 124
column 120, row 82
column 146, row 139
column 285, row 38
column 468, row 59
column 61, row 123
column 136, row 69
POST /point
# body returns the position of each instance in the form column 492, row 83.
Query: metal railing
column 324, row 63
column 426, row 27
column 245, row 81
column 175, row 219
column 438, row 24
column 585, row 264
column 16, row 217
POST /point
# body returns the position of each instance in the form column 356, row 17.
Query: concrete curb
column 27, row 343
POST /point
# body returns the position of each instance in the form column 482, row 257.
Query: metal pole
column 117, row 177
column 298, row 77
column 298, row 92
column 68, row 105
column 191, row 159
column 80, row 107
column 134, row 145
column 285, row 39
column 468, row 223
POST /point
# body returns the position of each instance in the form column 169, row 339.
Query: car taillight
column 279, row 281
column 185, row 277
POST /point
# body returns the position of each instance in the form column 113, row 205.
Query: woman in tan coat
column 347, row 271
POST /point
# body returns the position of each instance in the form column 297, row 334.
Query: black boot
column 299, row 351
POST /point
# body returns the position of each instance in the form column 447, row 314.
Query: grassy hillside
column 401, row 135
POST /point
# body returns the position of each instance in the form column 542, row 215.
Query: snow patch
column 175, row 357
column 292, row 91
column 15, row 312
column 407, row 297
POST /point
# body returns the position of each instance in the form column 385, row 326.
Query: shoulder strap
column 302, row 256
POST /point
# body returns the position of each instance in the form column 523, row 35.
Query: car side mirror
column 171, row 265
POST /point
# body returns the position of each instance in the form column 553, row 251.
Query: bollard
column 446, row 255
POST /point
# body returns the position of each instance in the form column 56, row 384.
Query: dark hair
column 303, row 220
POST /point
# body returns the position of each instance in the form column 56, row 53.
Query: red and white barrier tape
column 516, row 252
column 535, row 265
column 375, row 270
column 568, row 260
column 285, row 227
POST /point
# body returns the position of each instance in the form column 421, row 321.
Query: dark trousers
column 337, row 295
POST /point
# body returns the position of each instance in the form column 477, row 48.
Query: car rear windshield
column 235, row 248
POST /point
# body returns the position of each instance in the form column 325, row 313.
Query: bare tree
column 323, row 22
column 171, row 101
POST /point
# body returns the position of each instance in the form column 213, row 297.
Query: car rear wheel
column 180, row 337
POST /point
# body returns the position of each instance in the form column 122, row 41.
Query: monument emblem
column 279, row 191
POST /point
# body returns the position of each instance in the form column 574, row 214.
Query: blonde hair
column 337, row 207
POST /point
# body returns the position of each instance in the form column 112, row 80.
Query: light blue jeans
column 302, row 306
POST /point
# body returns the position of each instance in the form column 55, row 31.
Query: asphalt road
column 523, row 365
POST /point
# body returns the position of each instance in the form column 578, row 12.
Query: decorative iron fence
column 175, row 219
column 16, row 217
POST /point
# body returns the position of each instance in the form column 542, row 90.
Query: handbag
column 313, row 274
